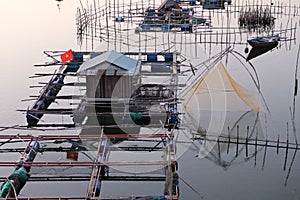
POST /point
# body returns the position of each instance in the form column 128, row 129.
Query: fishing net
column 216, row 106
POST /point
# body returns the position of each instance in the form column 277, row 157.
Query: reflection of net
column 61, row 171
column 85, row 171
column 64, row 171
column 238, row 130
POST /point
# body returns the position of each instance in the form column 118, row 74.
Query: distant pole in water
column 296, row 87
column 59, row 4
column 296, row 79
column 294, row 98
column 287, row 146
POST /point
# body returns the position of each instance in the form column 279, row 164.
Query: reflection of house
column 110, row 77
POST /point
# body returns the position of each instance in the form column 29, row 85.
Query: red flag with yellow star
column 67, row 56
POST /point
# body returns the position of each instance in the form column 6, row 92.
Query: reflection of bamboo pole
column 265, row 153
column 219, row 150
column 189, row 185
column 251, row 142
column 277, row 144
column 255, row 148
column 247, row 141
column 290, row 168
column 237, row 140
column 287, row 145
column 295, row 94
column 228, row 140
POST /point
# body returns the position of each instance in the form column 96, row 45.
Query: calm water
column 30, row 27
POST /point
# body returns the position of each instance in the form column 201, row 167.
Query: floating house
column 110, row 81
column 107, row 70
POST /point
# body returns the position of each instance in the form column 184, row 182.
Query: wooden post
column 277, row 145
column 290, row 168
column 219, row 151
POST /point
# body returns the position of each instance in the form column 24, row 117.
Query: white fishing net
column 216, row 106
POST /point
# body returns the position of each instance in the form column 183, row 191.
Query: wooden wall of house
column 104, row 86
column 91, row 85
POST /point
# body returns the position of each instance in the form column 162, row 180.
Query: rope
column 14, row 189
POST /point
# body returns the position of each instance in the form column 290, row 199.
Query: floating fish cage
column 171, row 15
column 215, row 4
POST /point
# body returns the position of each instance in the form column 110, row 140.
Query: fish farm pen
column 126, row 112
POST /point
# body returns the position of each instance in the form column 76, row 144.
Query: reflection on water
column 233, row 146
column 255, row 52
column 252, row 156
column 260, row 175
